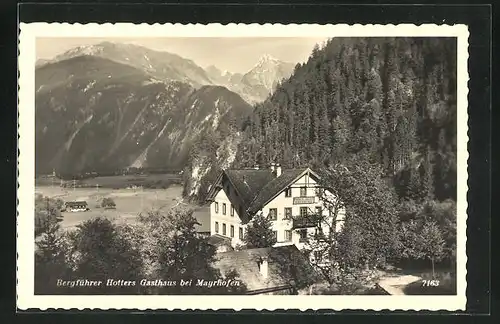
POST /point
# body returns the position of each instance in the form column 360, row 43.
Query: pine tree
column 259, row 233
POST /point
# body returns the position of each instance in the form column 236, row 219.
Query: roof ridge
column 301, row 170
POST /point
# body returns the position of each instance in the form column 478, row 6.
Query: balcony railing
column 305, row 221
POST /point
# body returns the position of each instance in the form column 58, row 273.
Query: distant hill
column 94, row 113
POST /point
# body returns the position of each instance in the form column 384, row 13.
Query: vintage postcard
column 242, row 166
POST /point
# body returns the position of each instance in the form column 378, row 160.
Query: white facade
column 225, row 219
column 299, row 197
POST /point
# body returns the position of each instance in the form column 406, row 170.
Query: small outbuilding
column 76, row 206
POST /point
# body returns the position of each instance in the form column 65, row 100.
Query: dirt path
column 394, row 285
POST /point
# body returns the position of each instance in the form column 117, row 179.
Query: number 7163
column 430, row 283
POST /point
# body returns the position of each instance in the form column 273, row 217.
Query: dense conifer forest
column 387, row 101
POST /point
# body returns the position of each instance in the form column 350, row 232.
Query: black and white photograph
column 222, row 165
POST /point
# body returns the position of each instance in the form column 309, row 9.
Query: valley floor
column 129, row 202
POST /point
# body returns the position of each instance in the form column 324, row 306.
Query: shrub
column 108, row 203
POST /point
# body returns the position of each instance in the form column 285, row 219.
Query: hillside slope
column 162, row 65
column 94, row 114
column 388, row 101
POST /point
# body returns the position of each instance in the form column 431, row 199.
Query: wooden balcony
column 305, row 221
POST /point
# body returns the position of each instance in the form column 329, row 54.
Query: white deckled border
column 26, row 190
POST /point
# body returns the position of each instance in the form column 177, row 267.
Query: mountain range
column 111, row 106
column 258, row 83
column 254, row 85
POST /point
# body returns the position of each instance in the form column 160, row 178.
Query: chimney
column 263, row 266
column 278, row 170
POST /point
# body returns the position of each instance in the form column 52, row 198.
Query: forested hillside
column 388, row 101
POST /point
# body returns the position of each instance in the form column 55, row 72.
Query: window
column 288, row 235
column 216, row 227
column 273, row 214
column 224, row 209
column 232, row 210
column 216, row 207
column 241, row 233
column 319, row 211
column 275, row 234
column 231, row 232
column 303, row 211
column 303, row 191
column 288, row 213
column 317, row 255
column 288, row 192
column 223, row 229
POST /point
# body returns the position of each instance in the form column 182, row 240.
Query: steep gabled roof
column 249, row 182
column 281, row 275
column 273, row 188
column 255, row 188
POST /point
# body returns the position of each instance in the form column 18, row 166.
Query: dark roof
column 255, row 188
column 273, row 188
column 249, row 182
column 75, row 203
column 280, row 274
column 218, row 240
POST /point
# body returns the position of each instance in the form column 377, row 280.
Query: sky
column 231, row 54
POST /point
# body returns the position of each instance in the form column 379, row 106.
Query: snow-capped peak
column 266, row 58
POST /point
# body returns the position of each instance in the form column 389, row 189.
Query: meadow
column 130, row 202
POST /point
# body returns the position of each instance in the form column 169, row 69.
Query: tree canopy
column 259, row 233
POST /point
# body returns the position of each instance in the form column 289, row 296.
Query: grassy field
column 129, row 202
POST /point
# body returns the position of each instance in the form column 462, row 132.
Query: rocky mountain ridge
column 94, row 114
column 254, row 86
